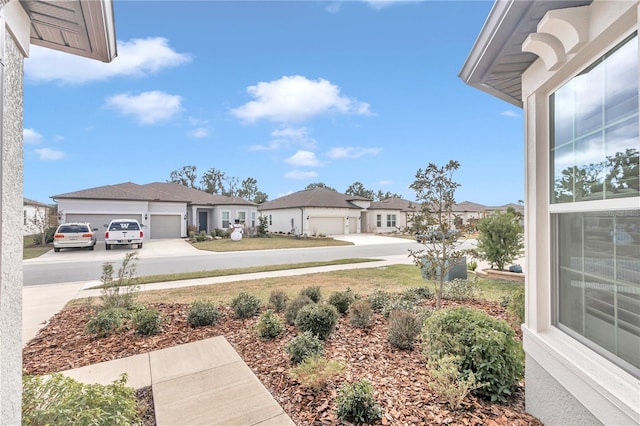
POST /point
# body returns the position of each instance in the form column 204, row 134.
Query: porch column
column 14, row 47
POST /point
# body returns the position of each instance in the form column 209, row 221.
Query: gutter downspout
column 301, row 221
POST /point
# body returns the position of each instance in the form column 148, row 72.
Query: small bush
column 320, row 320
column 399, row 304
column 304, row 345
column 447, row 383
column 361, row 315
column 415, row 294
column 294, row 306
column 341, row 300
column 202, row 313
column 404, row 327
column 61, row 400
column 201, row 236
column 106, row 322
column 472, row 265
column 316, row 372
column 245, row 305
column 147, row 322
column 312, row 292
column 485, row 346
column 460, row 290
column 278, row 300
column 515, row 306
column 119, row 292
column 355, row 403
column 379, row 299
column 269, row 326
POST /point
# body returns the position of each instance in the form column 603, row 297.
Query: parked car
column 74, row 235
column 123, row 232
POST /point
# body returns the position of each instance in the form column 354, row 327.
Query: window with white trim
column 391, row 221
column 225, row 219
column 379, row 220
column 595, row 195
column 241, row 216
column 253, row 219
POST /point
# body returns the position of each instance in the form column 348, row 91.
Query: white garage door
column 165, row 226
column 100, row 221
column 326, row 225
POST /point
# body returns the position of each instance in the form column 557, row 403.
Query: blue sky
column 289, row 93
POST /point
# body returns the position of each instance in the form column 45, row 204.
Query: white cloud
column 351, row 152
column 381, row 4
column 385, row 182
column 31, row 137
column 303, row 158
column 199, row 133
column 137, row 57
column 286, row 137
column 510, row 113
column 296, row 98
column 300, row 175
column 147, row 107
column 48, row 154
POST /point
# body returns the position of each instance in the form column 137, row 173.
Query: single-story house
column 390, row 215
column 314, row 212
column 79, row 27
column 573, row 68
column 37, row 216
column 165, row 209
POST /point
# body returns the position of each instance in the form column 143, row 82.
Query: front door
column 202, row 221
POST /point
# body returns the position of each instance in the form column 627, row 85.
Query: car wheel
column 56, row 249
column 107, row 246
column 140, row 245
column 91, row 248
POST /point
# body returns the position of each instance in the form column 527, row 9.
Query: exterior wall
column 14, row 45
column 567, row 383
column 33, row 213
column 312, row 219
column 281, row 219
column 402, row 221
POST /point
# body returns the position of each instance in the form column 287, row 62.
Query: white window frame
column 392, row 220
column 224, row 213
column 379, row 220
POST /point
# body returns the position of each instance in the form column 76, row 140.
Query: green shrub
column 147, row 322
column 341, row 300
column 106, row 322
column 201, row 236
column 472, row 265
column 294, row 306
column 319, row 319
column 202, row 313
column 379, row 299
column 404, row 327
column 399, row 304
column 361, row 315
column 484, row 346
column 515, row 306
column 459, row 289
column 355, row 403
column 304, row 345
column 48, row 236
column 278, row 300
column 447, row 383
column 119, row 292
column 312, row 292
column 415, row 294
column 61, row 400
column 269, row 326
column 316, row 372
column 245, row 305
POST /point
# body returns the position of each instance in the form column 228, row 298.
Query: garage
column 165, row 226
column 326, row 225
column 99, row 221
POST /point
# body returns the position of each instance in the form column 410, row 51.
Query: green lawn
column 273, row 242
column 30, row 250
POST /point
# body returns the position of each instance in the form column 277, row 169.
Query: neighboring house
column 37, row 216
column 390, row 215
column 80, row 27
column 573, row 68
column 166, row 210
column 314, row 212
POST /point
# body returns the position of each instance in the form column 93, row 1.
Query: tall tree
column 213, row 181
column 249, row 191
column 358, row 189
column 319, row 185
column 435, row 190
column 379, row 196
column 186, row 176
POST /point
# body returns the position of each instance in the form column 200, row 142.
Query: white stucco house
column 390, row 215
column 79, row 27
column 36, row 216
column 315, row 212
column 573, row 68
column 165, row 209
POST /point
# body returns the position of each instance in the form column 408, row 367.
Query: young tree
column 435, row 190
column 500, row 240
column 41, row 222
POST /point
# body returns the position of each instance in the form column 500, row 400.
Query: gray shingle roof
column 395, row 203
column 316, row 197
column 156, row 191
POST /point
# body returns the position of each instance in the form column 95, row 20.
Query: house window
column 379, row 220
column 594, row 156
column 253, row 219
column 391, row 221
column 270, row 220
column 225, row 220
column 241, row 216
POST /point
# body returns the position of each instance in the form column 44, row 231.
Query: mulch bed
column 400, row 378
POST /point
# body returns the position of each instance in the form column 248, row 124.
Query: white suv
column 123, row 232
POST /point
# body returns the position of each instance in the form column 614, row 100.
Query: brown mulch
column 400, row 378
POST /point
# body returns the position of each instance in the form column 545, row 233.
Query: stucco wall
column 11, row 171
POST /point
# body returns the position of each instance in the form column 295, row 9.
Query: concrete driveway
column 370, row 239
